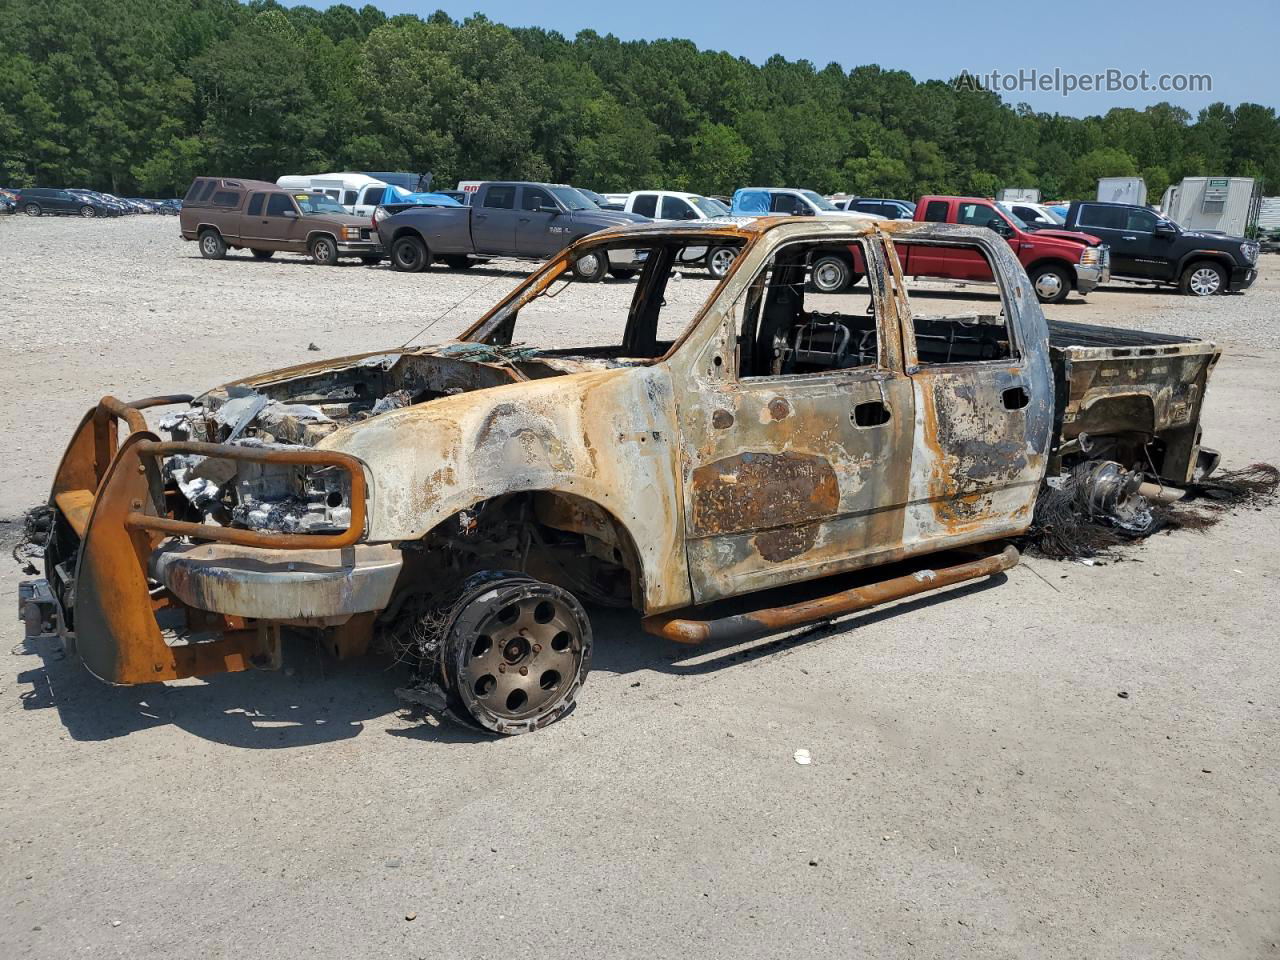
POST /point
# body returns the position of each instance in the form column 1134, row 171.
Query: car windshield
column 819, row 201
column 1054, row 215
column 317, row 203
column 572, row 199
column 709, row 207
column 1014, row 218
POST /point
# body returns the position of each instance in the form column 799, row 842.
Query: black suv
column 1147, row 247
column 37, row 201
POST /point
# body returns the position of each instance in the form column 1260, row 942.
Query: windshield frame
column 304, row 201
column 818, row 200
column 716, row 208
column 1014, row 219
column 567, row 196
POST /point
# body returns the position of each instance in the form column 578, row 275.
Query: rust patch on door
column 785, row 542
column 753, row 491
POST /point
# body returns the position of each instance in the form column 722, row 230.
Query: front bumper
column 281, row 585
column 1091, row 276
column 1241, row 278
column 361, row 248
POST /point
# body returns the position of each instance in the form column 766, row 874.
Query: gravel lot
column 977, row 788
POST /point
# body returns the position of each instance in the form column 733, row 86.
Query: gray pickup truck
column 526, row 221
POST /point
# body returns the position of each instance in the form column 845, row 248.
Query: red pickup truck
column 1057, row 261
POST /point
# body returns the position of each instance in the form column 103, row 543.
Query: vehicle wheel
column 458, row 263
column 371, row 261
column 622, row 274
column 212, row 246
column 262, row 254
column 1203, row 279
column 324, row 251
column 88, row 211
column 719, row 260
column 591, row 267
column 830, row 274
column 409, row 254
column 33, row 210
column 515, row 651
column 1050, row 283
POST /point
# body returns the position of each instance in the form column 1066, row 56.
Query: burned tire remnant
column 514, row 651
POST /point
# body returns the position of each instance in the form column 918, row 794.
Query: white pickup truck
column 674, row 205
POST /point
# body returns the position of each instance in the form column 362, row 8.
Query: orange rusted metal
column 745, row 626
column 253, row 538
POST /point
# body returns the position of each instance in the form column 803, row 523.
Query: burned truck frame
column 463, row 500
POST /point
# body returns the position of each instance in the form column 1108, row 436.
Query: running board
column 748, row 626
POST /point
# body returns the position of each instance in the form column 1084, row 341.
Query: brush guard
column 111, row 510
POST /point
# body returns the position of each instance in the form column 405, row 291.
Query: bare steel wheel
column 516, row 650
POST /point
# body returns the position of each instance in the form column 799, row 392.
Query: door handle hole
column 873, row 413
column 1015, row 398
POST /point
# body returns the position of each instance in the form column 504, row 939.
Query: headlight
column 1090, row 257
column 351, row 233
column 292, row 499
column 1249, row 250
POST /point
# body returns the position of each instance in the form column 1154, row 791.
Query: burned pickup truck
column 463, row 501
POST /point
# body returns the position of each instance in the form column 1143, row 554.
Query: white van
column 358, row 192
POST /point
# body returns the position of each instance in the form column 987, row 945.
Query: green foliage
column 126, row 96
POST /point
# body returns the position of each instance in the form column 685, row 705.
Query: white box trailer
column 1026, row 194
column 1269, row 214
column 1221, row 204
column 1122, row 190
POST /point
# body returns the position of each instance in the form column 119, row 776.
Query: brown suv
column 264, row 218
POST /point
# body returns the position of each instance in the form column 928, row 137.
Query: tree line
column 140, row 96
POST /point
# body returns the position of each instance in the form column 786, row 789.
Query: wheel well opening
column 559, row 538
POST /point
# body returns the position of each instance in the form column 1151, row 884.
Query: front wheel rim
column 86, row 211
column 588, row 265
column 209, row 245
column 1205, row 282
column 721, row 261
column 1048, row 286
column 524, row 660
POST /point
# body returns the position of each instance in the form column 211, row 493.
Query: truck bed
column 1113, row 382
column 1063, row 334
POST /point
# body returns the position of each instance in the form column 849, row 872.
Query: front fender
column 605, row 436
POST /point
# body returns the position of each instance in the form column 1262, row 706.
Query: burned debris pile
column 1092, row 511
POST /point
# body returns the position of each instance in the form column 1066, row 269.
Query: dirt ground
column 978, row 786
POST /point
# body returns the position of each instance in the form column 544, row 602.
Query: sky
column 1235, row 42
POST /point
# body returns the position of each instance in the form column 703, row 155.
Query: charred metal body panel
column 663, row 479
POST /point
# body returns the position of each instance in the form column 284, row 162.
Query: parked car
column 787, row 201
column 8, row 203
column 881, row 206
column 1149, row 248
column 1034, row 215
column 468, row 497
column 529, row 221
column 224, row 214
column 1056, row 261
column 677, row 206
column 39, row 201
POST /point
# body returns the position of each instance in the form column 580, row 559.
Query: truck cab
column 1057, row 261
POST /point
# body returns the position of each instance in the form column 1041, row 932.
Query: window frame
column 289, row 205
column 490, row 191
column 647, row 197
column 258, row 197
column 911, row 356
column 883, row 363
